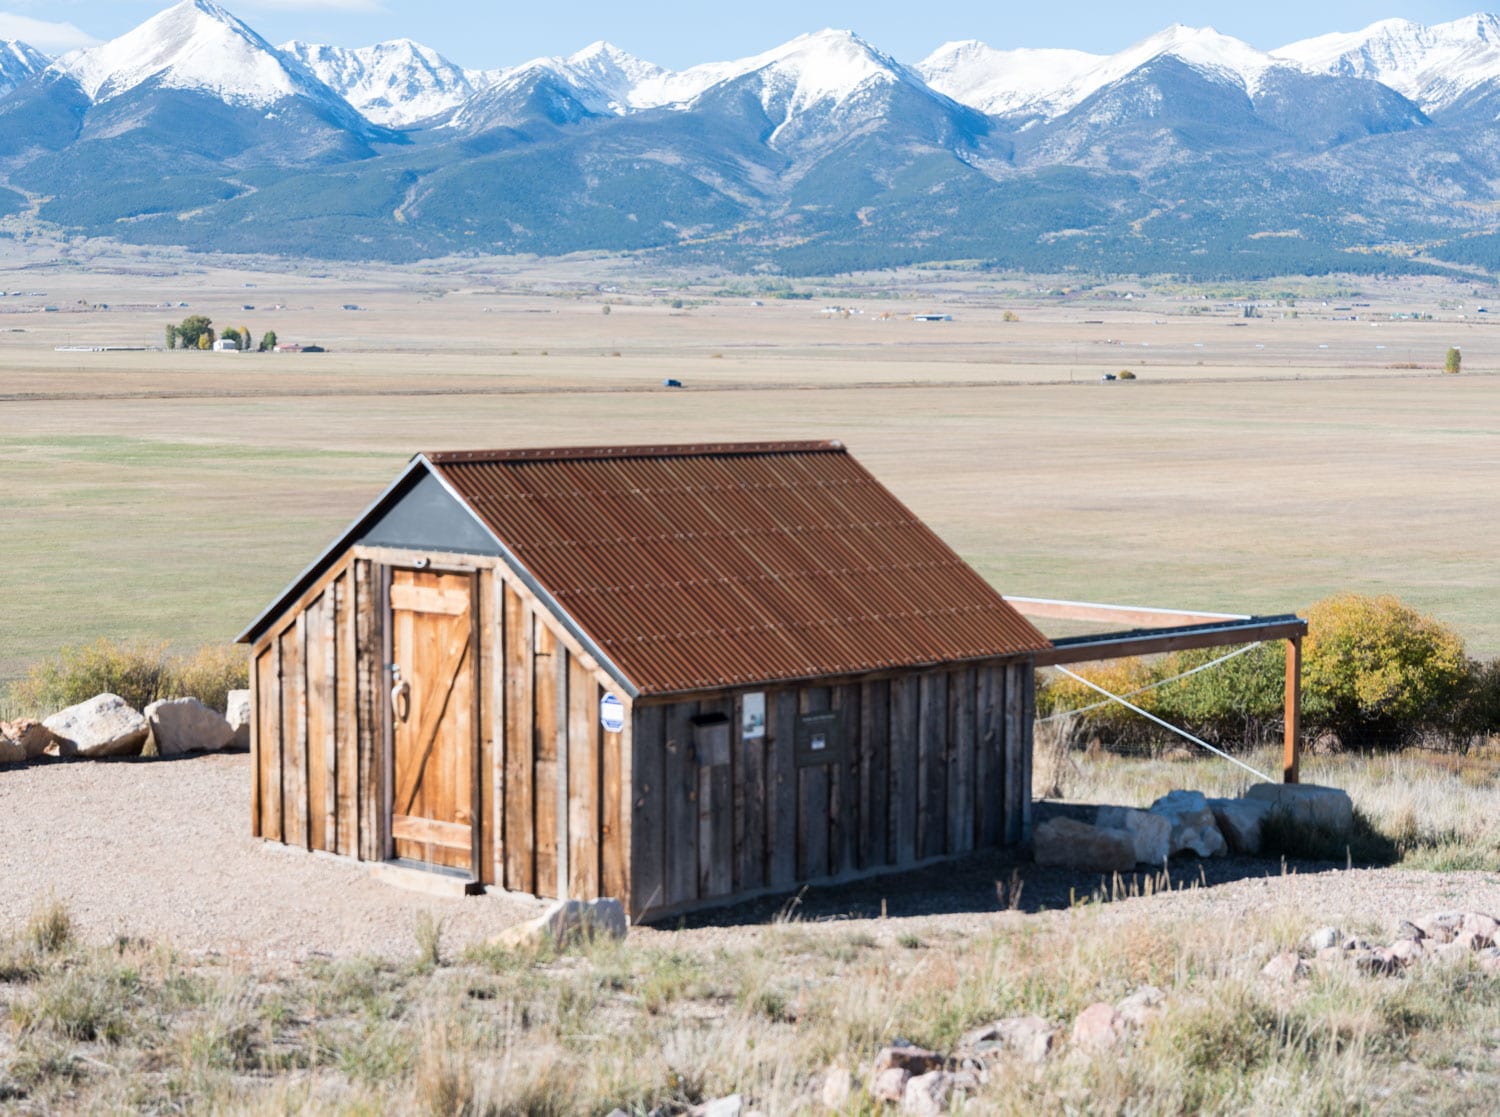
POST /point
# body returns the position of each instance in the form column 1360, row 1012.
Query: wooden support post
column 1293, row 709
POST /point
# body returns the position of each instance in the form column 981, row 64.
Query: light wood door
column 434, row 727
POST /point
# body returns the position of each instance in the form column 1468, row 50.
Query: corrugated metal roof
column 700, row 567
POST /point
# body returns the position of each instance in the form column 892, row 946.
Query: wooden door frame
column 422, row 565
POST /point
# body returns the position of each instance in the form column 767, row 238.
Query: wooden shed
column 676, row 675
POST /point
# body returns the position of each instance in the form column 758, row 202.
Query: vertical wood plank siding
column 921, row 772
column 677, row 809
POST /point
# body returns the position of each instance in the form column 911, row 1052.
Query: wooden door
column 434, row 738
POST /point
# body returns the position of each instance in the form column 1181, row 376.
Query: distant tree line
column 197, row 332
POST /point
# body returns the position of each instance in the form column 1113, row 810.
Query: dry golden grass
column 131, row 1027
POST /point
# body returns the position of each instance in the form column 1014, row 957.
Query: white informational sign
column 611, row 714
column 753, row 717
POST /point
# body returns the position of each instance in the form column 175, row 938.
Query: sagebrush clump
column 138, row 673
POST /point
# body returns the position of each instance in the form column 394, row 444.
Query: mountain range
column 1190, row 152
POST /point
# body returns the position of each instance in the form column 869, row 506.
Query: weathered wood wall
column 314, row 734
column 928, row 765
column 554, row 785
column 677, row 810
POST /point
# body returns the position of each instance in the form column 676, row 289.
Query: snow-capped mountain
column 610, row 75
column 18, row 61
column 598, row 80
column 1188, row 151
column 825, row 66
column 192, row 83
column 1049, row 83
column 399, row 83
column 196, row 45
column 1003, row 82
column 1434, row 66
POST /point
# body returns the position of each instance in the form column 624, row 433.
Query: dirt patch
column 162, row 850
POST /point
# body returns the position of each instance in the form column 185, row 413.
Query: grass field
column 670, row 1018
column 169, row 496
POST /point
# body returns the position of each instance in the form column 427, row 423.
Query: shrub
column 138, row 673
column 1377, row 672
column 1454, row 361
column 1126, row 374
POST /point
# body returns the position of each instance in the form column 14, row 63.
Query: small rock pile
column 926, row 1083
column 1181, row 822
column 107, row 726
column 1446, row 937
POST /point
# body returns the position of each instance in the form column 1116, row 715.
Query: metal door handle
column 401, row 700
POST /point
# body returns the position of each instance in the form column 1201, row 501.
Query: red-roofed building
column 676, row 675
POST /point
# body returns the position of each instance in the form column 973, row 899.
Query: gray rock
column 1407, row 951
column 1151, row 833
column 1239, row 821
column 926, row 1095
column 730, row 1106
column 1029, row 1037
column 1477, row 923
column 1098, row 1027
column 1193, row 827
column 565, row 922
column 1065, row 843
column 1142, row 1006
column 890, row 1084
column 184, row 725
column 31, row 735
column 1285, row 967
column 237, row 714
column 1405, row 929
column 101, row 727
column 1308, row 804
column 1325, row 938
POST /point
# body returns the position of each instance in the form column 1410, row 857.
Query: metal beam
column 1143, row 615
column 1292, row 714
column 1155, row 641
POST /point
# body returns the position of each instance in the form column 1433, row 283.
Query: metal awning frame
column 1211, row 630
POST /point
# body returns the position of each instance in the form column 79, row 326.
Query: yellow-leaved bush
column 1377, row 674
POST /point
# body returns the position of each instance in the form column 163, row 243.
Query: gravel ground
column 161, row 850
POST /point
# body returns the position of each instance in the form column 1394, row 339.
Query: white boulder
column 1151, row 833
column 184, row 725
column 565, row 922
column 1239, row 821
column 1309, row 804
column 237, row 714
column 1193, row 827
column 31, row 735
column 1066, row 843
column 103, row 726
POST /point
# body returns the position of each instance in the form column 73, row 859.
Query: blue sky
column 673, row 33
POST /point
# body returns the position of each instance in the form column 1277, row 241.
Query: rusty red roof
column 701, row 567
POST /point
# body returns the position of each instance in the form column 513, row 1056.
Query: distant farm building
column 932, row 317
column 226, row 345
column 676, row 675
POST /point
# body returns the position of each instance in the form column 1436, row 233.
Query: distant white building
column 226, row 345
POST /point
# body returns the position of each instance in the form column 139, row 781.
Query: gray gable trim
column 428, row 516
column 419, row 510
